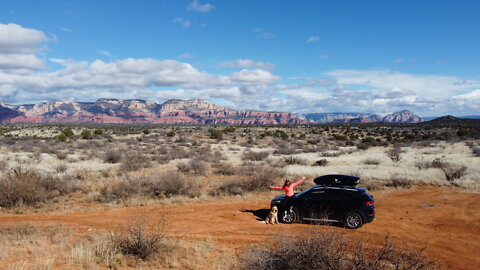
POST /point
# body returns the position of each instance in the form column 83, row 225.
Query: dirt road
column 444, row 220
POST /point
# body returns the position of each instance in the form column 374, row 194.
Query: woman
column 288, row 187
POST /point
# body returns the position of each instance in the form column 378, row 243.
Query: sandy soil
column 444, row 220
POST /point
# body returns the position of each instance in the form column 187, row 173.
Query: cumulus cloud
column 19, row 46
column 425, row 85
column 130, row 78
column 197, row 7
column 247, row 63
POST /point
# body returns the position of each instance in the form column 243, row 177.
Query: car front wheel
column 352, row 220
column 290, row 216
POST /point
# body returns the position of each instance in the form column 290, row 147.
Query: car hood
column 279, row 198
column 282, row 197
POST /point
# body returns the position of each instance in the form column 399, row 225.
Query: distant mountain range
column 404, row 116
column 175, row 111
column 195, row 111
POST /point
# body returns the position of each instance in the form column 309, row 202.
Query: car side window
column 339, row 195
column 316, row 195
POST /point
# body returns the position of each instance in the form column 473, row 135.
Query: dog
column 272, row 217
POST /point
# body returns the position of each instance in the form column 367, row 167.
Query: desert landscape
column 175, row 134
column 194, row 197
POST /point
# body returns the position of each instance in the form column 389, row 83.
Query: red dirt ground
column 444, row 220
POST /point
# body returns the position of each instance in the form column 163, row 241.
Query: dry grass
column 331, row 250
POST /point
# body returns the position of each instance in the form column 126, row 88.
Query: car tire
column 352, row 220
column 289, row 219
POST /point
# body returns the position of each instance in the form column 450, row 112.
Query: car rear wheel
column 352, row 220
column 290, row 216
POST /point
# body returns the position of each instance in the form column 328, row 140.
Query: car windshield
column 303, row 192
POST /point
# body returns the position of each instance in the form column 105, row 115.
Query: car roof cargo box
column 337, row 180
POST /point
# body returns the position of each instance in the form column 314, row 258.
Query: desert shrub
column 179, row 153
column 61, row 167
column 119, row 190
column 331, row 154
column 98, row 132
column 216, row 134
column 372, row 184
column 61, row 155
column 330, row 250
column 394, row 154
column 291, row 160
column 259, row 177
column 362, row 146
column 371, row 161
column 68, row 132
column 225, row 169
column 285, row 150
column 321, row 162
column 476, row 151
column 135, row 161
column 62, row 137
column 453, row 172
column 398, row 182
column 196, row 166
column 231, row 187
column 86, row 134
column 112, row 156
column 438, row 163
column 163, row 159
column 255, row 155
column 138, row 240
column 25, row 185
column 171, row 184
column 171, row 133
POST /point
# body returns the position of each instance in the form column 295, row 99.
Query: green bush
column 86, row 134
column 68, row 132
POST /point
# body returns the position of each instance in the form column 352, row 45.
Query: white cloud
column 20, row 61
column 247, row 63
column 423, row 85
column 181, row 21
column 312, row 39
column 254, row 76
column 15, row 39
column 196, row 6
column 18, row 48
column 471, row 95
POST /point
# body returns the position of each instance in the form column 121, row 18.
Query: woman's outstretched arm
column 298, row 182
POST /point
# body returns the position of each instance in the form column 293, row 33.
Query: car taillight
column 370, row 203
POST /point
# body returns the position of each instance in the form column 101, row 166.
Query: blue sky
column 299, row 56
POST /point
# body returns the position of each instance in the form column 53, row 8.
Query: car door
column 313, row 204
column 338, row 202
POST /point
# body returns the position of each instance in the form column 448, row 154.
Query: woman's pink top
column 289, row 189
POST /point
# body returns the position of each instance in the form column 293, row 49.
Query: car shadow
column 261, row 214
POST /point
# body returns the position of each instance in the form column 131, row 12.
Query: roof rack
column 337, row 180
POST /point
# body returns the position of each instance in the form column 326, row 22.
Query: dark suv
column 335, row 198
